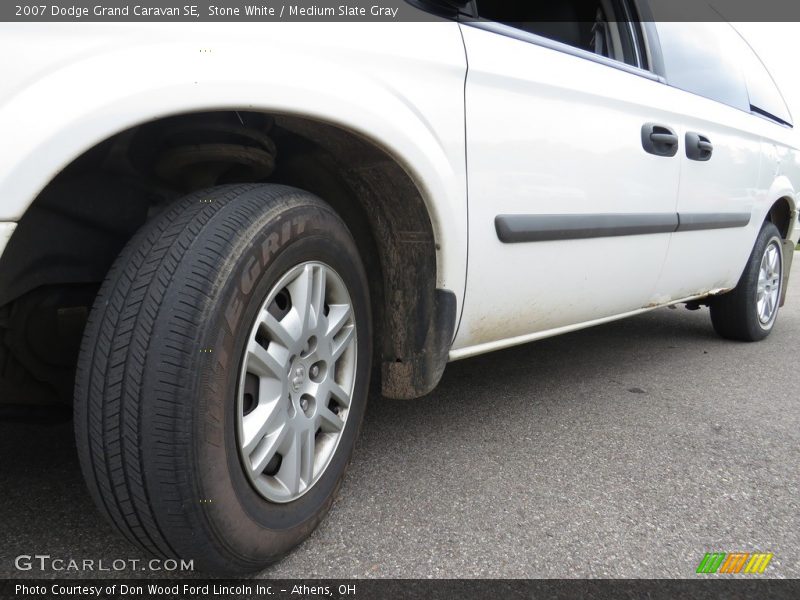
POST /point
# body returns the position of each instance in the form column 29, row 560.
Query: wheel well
column 781, row 215
column 78, row 224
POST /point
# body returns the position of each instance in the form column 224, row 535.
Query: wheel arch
column 782, row 214
column 63, row 109
column 386, row 199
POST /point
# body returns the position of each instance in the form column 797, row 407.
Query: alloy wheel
column 296, row 382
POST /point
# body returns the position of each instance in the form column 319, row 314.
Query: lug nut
column 314, row 370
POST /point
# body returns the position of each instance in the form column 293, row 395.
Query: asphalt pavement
column 625, row 450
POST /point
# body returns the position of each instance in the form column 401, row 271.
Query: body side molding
column 700, row 221
column 513, row 229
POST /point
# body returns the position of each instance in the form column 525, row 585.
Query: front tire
column 748, row 312
column 223, row 376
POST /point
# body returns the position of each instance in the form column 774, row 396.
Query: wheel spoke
column 297, row 468
column 329, row 421
column 308, row 445
column 341, row 343
column 257, row 424
column 773, row 259
column 317, row 306
column 289, row 473
column 266, row 449
column 308, row 295
column 337, row 393
column 338, row 315
column 300, row 290
column 278, row 330
column 263, row 362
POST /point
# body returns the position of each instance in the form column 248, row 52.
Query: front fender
column 397, row 84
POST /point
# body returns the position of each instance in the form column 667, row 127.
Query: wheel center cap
column 298, row 377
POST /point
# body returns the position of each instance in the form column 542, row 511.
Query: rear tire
column 160, row 392
column 749, row 311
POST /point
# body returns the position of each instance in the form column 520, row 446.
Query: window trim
column 538, row 40
column 637, row 34
column 763, row 114
column 646, row 41
column 754, row 108
column 651, row 32
column 653, row 43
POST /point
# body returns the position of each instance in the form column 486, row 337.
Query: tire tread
column 111, row 365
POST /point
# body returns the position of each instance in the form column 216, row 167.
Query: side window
column 603, row 27
column 764, row 95
column 701, row 58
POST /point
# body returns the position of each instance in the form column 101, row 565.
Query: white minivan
column 214, row 236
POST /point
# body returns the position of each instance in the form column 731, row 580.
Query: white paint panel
column 552, row 133
column 398, row 84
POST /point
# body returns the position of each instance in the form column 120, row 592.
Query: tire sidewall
column 252, row 528
column 767, row 236
column 777, row 241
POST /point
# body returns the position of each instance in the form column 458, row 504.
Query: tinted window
column 764, row 94
column 597, row 26
column 703, row 58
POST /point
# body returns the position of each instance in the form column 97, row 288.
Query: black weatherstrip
column 544, row 228
column 700, row 221
column 513, row 229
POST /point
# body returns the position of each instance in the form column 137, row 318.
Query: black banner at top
column 509, row 11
